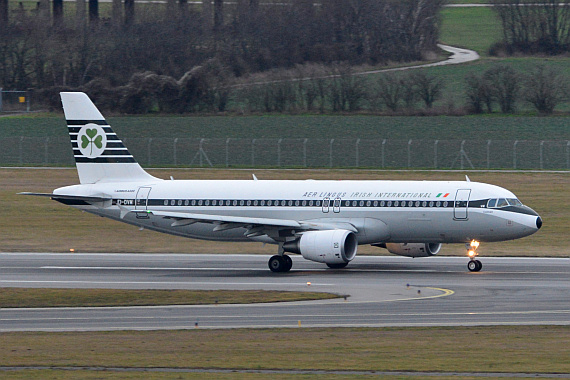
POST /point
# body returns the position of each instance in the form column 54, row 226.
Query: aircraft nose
column 538, row 222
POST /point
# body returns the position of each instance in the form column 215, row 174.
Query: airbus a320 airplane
column 324, row 221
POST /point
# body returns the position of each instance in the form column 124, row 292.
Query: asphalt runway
column 382, row 291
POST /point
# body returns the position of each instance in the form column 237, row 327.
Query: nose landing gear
column 473, row 265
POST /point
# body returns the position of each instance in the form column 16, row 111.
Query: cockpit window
column 514, row 202
column 502, row 202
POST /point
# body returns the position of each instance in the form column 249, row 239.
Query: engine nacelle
column 329, row 247
column 414, row 249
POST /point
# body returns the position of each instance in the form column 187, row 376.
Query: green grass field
column 329, row 126
column 31, row 297
column 522, row 349
column 474, row 28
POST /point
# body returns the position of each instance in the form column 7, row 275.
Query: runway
column 381, row 291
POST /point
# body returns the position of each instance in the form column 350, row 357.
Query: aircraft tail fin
column 100, row 156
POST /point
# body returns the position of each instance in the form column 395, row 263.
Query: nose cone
column 538, row 223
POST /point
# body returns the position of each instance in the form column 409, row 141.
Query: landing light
column 471, row 253
column 474, row 244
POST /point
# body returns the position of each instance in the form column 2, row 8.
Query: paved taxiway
column 441, row 291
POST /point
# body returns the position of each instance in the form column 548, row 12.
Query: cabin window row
column 301, row 203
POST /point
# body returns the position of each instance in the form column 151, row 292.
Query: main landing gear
column 473, row 265
column 280, row 263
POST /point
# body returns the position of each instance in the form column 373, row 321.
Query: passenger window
column 491, row 203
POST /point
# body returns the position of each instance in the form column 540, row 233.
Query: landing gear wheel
column 337, row 266
column 280, row 263
column 474, row 265
column 288, row 263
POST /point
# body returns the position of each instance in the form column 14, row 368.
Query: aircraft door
column 461, row 205
column 326, row 204
column 336, row 205
column 141, row 200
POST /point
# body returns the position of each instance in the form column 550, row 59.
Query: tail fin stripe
column 107, row 152
column 83, row 122
column 105, row 160
column 73, row 129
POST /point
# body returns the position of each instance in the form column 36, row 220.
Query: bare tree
column 3, row 13
column 545, row 88
column 478, row 93
column 429, row 87
column 535, row 25
column 389, row 89
column 504, row 82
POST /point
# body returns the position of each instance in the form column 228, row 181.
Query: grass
column 33, row 224
column 471, row 28
column 29, row 297
column 331, row 126
column 528, row 349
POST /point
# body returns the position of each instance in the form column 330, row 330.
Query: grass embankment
column 28, row 297
column 33, row 224
column 521, row 349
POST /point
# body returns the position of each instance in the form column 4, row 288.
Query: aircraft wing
column 255, row 226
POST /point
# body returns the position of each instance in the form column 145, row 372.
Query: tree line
column 316, row 88
column 245, row 37
column 533, row 26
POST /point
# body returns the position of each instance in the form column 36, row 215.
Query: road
column 382, row 291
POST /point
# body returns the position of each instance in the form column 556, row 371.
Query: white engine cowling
column 329, row 247
column 414, row 249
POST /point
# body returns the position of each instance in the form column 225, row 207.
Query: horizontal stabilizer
column 68, row 197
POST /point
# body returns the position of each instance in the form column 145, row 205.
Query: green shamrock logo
column 91, row 138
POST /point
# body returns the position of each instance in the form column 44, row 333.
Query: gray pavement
column 382, row 291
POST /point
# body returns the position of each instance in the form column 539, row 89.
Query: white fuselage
column 380, row 211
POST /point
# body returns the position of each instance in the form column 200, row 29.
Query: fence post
column 148, row 150
column 488, row 154
column 279, row 152
column 409, row 153
column 541, row 161
column 383, row 143
column 200, row 152
column 568, row 154
column 174, row 151
column 435, row 154
column 253, row 152
column 27, row 101
column 21, row 150
column 305, row 152
column 46, row 146
column 1, row 99
column 515, row 154
column 461, row 153
column 331, row 153
column 227, row 153
column 357, row 153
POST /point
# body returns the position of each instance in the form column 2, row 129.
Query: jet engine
column 329, row 247
column 413, row 249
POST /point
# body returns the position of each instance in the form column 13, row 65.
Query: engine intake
column 414, row 249
column 329, row 247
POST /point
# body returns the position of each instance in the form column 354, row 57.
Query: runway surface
column 382, row 291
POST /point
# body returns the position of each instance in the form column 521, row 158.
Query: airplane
column 323, row 221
